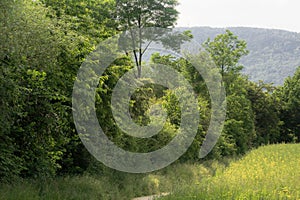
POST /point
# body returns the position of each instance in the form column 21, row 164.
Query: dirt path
column 152, row 197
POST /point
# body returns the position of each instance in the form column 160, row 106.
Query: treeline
column 42, row 45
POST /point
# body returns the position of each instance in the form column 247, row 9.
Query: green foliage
column 273, row 54
column 39, row 58
column 92, row 19
column 266, row 107
column 27, row 37
column 32, row 140
column 140, row 103
column 226, row 50
column 23, row 89
column 148, row 21
column 39, row 126
column 42, row 45
column 239, row 124
column 151, row 13
column 290, row 113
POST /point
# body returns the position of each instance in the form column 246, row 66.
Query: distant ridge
column 274, row 54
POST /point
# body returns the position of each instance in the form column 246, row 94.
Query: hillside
column 274, row 54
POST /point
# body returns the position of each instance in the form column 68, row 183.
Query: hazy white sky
column 279, row 14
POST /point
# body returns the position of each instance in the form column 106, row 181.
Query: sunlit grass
column 270, row 172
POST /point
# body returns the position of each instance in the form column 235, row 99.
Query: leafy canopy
column 148, row 21
column 226, row 50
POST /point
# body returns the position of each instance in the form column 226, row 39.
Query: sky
column 278, row 14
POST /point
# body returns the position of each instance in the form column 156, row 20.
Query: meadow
column 269, row 172
column 110, row 185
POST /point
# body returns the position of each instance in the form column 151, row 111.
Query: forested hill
column 274, row 54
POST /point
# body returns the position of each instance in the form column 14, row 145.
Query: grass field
column 111, row 186
column 269, row 172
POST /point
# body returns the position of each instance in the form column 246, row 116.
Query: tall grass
column 270, row 172
column 111, row 185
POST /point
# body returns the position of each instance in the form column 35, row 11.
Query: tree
column 290, row 111
column 239, row 131
column 239, row 125
column 265, row 106
column 39, row 58
column 30, row 139
column 90, row 18
column 136, row 16
column 226, row 50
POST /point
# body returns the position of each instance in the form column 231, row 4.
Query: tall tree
column 265, row 106
column 290, row 112
column 135, row 16
column 226, row 50
column 30, row 139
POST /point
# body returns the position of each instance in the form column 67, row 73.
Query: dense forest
column 274, row 54
column 43, row 43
